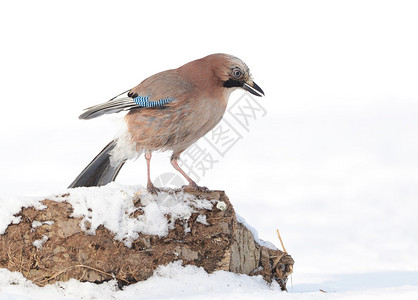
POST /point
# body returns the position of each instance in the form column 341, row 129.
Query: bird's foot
column 194, row 187
column 152, row 189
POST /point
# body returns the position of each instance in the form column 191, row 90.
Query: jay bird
column 167, row 111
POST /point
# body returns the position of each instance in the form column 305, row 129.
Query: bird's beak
column 253, row 88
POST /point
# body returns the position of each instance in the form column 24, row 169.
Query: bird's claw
column 152, row 189
column 194, row 187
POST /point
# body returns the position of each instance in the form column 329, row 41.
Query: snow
column 112, row 205
column 177, row 282
column 333, row 163
column 202, row 219
column 39, row 243
column 11, row 205
column 36, row 223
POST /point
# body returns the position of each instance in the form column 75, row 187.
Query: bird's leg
column 192, row 185
column 150, row 186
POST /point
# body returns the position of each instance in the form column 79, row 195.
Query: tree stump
column 55, row 244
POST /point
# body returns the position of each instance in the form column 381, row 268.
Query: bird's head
column 234, row 73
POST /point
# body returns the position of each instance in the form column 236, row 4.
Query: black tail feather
column 99, row 171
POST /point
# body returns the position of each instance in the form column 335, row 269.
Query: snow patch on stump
column 113, row 207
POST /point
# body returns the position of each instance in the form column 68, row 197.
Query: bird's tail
column 99, row 171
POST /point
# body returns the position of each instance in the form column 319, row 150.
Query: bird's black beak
column 253, row 89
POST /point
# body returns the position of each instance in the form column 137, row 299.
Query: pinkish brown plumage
column 170, row 110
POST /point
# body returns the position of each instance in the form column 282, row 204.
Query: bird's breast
column 175, row 127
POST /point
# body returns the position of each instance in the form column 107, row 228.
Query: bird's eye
column 237, row 73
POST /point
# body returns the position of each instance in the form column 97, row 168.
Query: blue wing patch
column 144, row 101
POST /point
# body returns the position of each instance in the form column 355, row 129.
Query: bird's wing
column 156, row 91
column 122, row 102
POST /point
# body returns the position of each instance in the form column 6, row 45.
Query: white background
column 334, row 162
